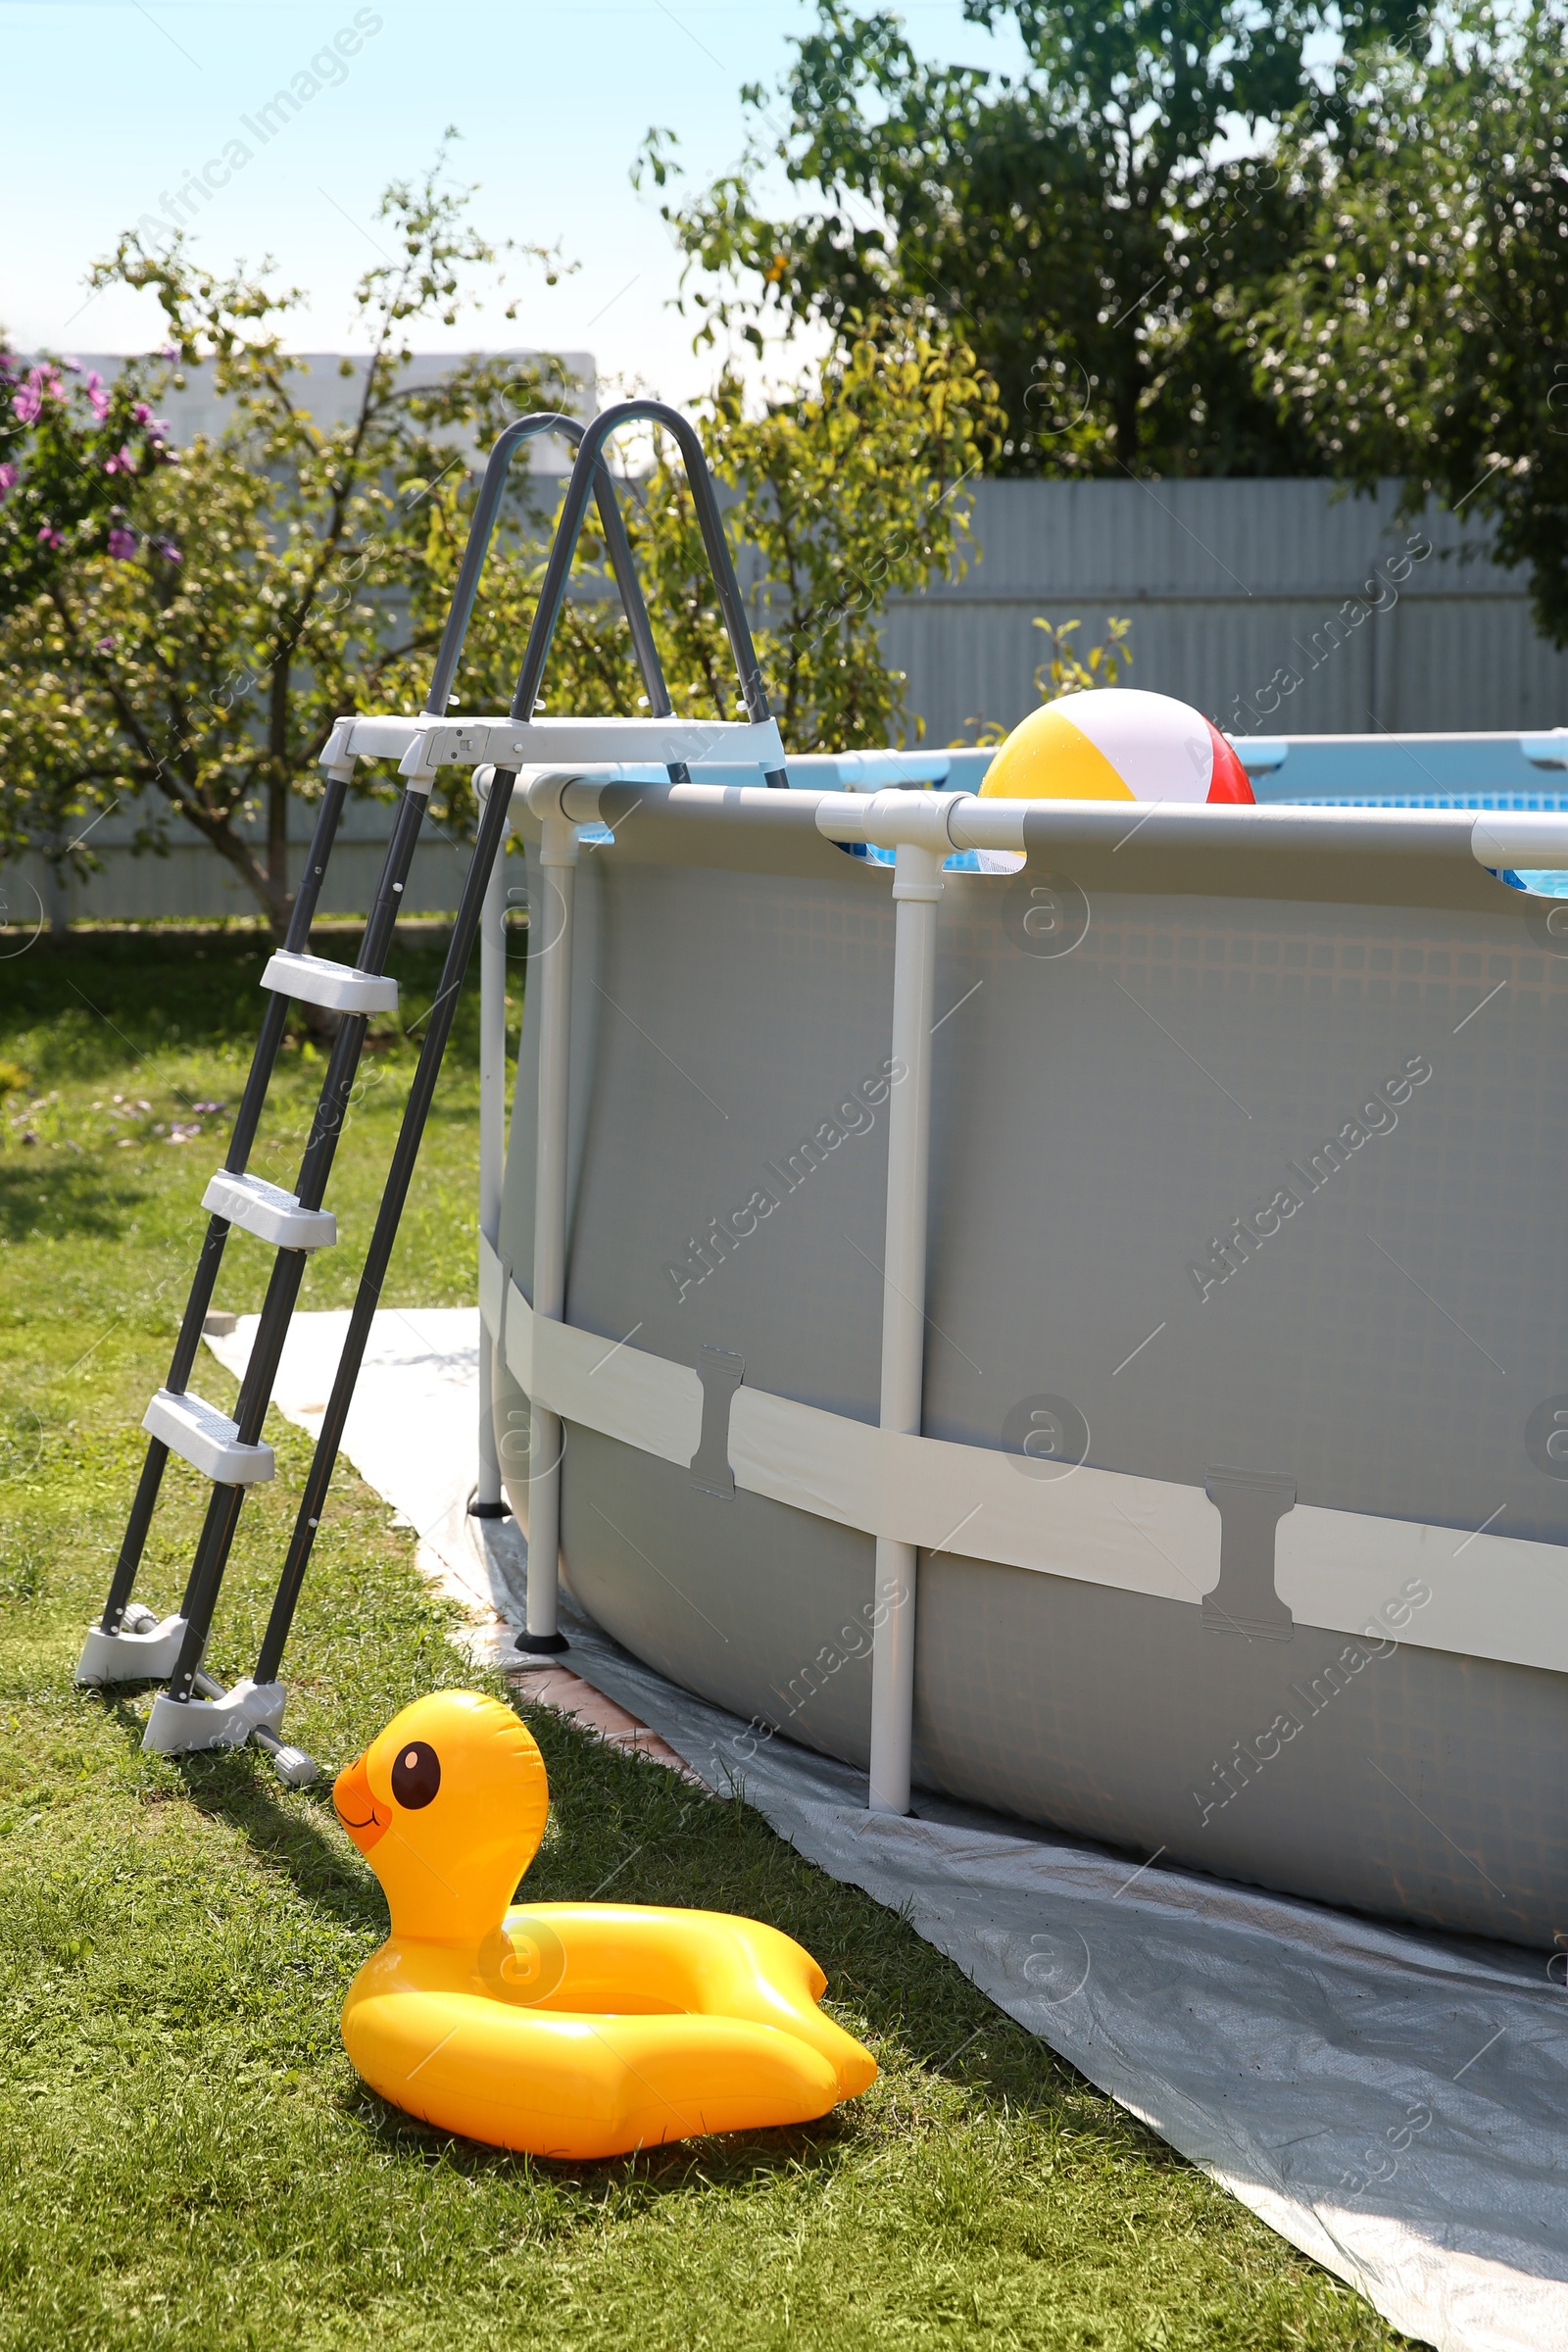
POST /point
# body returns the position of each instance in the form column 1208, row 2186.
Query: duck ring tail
column 565, row 2029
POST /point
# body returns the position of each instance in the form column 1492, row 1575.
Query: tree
column 1422, row 330
column 1088, row 225
column 194, row 663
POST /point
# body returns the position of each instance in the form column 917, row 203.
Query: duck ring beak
column 356, row 1807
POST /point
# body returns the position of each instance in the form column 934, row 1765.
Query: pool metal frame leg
column 550, row 971
column 489, row 1503
column 916, row 890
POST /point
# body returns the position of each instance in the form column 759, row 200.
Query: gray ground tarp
column 1395, row 2104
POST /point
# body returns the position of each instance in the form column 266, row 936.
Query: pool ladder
column 129, row 1644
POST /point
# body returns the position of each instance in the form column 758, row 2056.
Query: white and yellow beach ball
column 1116, row 742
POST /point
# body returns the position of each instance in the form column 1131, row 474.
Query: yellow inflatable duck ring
column 566, row 2029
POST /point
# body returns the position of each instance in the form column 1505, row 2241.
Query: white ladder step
column 318, row 980
column 268, row 1211
column 206, row 1439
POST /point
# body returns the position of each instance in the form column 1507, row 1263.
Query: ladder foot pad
column 318, row 980
column 269, row 1212
column 206, row 1439
column 148, row 1656
column 183, row 1727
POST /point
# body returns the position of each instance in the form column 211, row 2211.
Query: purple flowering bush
column 75, row 456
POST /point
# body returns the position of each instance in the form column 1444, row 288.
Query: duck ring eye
column 417, row 1775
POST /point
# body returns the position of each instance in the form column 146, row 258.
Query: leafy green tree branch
column 269, row 581
column 1421, row 331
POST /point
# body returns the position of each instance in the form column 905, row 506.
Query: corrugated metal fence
column 1278, row 608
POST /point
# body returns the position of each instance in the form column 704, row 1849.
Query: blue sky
column 113, row 104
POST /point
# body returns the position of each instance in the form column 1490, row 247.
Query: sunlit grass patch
column 187, row 2156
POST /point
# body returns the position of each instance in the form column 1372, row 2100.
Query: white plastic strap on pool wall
column 1481, row 1595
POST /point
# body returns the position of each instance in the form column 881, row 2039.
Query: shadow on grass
column 234, row 1785
column 666, row 1843
column 66, row 1193
column 727, row 2160
column 93, row 999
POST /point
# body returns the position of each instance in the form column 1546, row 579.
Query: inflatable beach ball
column 1116, row 742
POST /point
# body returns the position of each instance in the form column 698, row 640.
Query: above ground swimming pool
column 1237, row 1478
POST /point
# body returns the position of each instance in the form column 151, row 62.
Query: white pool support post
column 916, row 889
column 549, row 946
column 491, row 1148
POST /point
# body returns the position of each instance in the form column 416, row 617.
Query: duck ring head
column 448, row 1807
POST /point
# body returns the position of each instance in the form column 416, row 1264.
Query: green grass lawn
column 187, row 2156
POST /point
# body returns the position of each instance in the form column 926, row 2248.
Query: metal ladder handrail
column 481, row 530
column 568, row 527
